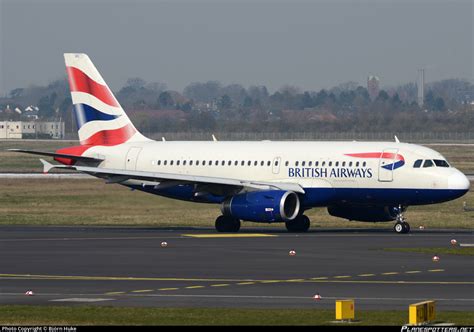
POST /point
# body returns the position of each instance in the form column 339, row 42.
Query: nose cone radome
column 458, row 181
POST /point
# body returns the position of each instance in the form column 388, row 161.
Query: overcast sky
column 311, row 44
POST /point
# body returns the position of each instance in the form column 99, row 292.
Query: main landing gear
column 227, row 224
column 401, row 226
column 298, row 225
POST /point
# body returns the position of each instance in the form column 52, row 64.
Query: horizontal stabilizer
column 58, row 155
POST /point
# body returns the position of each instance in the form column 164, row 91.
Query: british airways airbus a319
column 265, row 181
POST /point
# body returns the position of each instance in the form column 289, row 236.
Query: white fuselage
column 315, row 165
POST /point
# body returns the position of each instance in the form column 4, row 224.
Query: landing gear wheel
column 402, row 227
column 227, row 224
column 298, row 225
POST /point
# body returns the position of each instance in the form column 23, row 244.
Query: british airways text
column 309, row 172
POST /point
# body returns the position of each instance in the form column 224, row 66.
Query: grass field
column 467, row 251
column 92, row 202
column 88, row 315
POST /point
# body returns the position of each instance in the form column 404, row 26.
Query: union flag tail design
column 99, row 117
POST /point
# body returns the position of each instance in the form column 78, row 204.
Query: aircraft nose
column 458, row 181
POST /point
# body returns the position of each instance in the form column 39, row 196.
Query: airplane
column 264, row 181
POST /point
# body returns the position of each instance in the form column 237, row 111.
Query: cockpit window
column 441, row 163
column 418, row 163
column 428, row 163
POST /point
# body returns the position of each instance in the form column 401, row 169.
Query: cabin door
column 386, row 163
column 132, row 158
column 276, row 165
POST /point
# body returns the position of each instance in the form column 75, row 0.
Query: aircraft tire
column 299, row 225
column 401, row 227
column 225, row 224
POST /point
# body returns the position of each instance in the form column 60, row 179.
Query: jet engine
column 263, row 206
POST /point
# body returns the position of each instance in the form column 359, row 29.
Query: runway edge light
column 345, row 310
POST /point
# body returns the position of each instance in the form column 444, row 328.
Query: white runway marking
column 45, row 176
column 80, row 299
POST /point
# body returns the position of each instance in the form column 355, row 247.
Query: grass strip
column 106, row 315
column 466, row 251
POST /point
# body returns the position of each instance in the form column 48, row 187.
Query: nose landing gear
column 401, row 226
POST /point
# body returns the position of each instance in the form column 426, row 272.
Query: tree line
column 213, row 106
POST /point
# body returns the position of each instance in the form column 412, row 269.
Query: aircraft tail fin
column 99, row 117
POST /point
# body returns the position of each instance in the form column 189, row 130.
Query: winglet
column 214, row 138
column 46, row 166
column 396, row 139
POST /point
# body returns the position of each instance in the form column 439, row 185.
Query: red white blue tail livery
column 99, row 117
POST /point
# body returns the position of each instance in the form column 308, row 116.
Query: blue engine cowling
column 379, row 213
column 263, row 206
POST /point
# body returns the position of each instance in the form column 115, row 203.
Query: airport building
column 31, row 129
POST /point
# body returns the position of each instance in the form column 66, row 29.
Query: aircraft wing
column 58, row 155
column 164, row 179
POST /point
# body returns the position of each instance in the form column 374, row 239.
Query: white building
column 31, row 129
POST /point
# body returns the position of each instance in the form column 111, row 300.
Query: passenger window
column 310, row 163
column 330, row 163
column 223, row 163
column 190, row 163
column 197, row 163
column 262, row 163
column 255, row 163
column 229, row 163
column 418, row 163
column 337, row 163
column 249, row 163
column 276, row 163
column 216, row 163
column 296, row 163
column 286, row 163
column 357, row 164
column 184, row 162
column 343, row 164
column 177, row 163
column 323, row 163
column 236, row 163
column 303, row 163
column 316, row 164
column 171, row 162
column 165, row 162
column 428, row 163
column 204, row 163
column 159, row 162
column 441, row 163
column 269, row 163
column 350, row 164
column 242, row 163
column 364, row 164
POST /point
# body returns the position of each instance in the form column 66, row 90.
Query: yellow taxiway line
column 236, row 235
